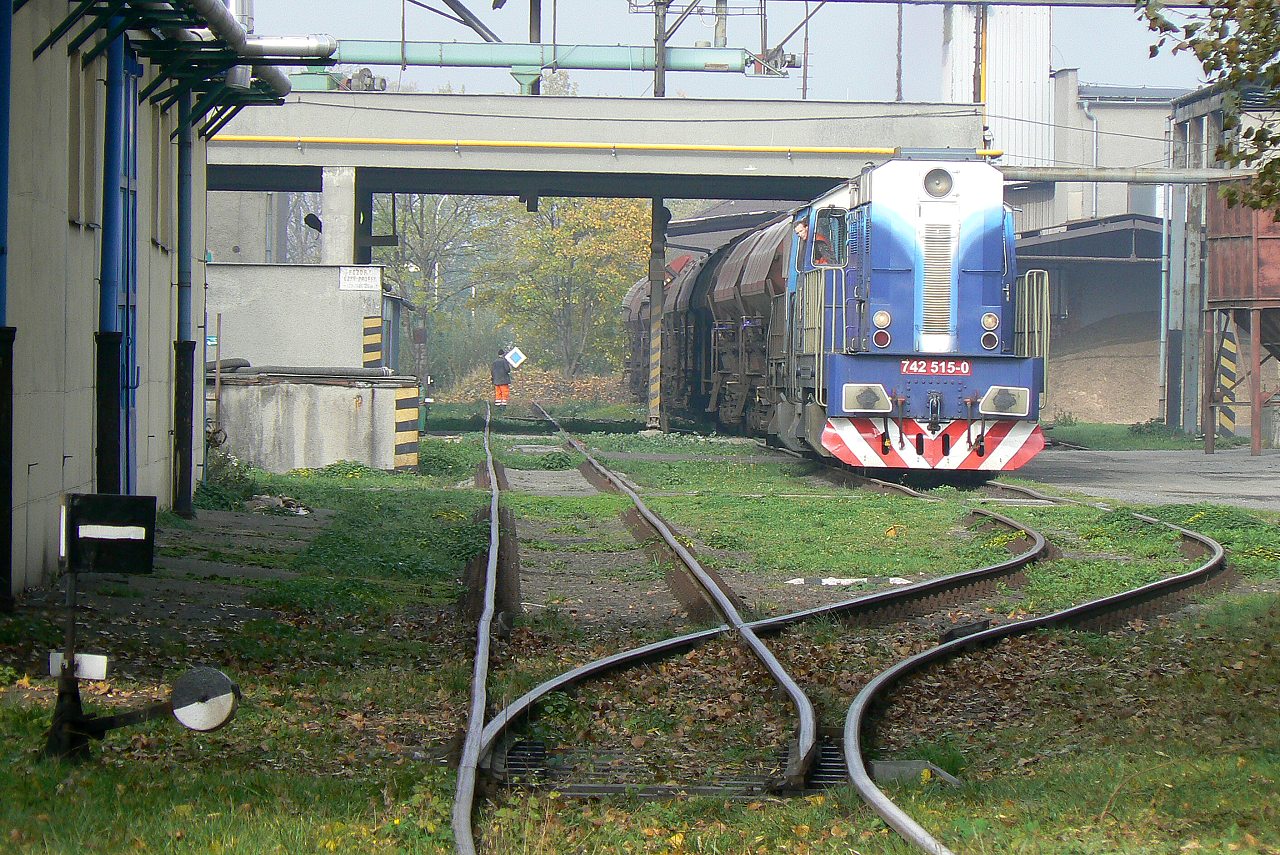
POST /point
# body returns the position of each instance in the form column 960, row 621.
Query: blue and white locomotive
column 878, row 324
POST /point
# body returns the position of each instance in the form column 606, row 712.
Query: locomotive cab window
column 828, row 247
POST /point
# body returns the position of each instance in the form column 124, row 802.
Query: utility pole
column 899, row 98
column 657, row 234
column 535, row 36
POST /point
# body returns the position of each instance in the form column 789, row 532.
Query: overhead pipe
column 1119, row 174
column 582, row 57
column 1088, row 114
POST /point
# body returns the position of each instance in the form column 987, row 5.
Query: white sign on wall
column 360, row 279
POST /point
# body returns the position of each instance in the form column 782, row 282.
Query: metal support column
column 660, row 48
column 1209, row 381
column 7, row 335
column 535, row 37
column 1255, row 382
column 184, row 346
column 657, row 279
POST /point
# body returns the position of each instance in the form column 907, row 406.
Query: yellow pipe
column 982, row 73
column 538, row 144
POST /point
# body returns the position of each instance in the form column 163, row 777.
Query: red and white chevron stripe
column 1007, row 444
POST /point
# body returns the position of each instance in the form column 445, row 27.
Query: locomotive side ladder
column 1031, row 324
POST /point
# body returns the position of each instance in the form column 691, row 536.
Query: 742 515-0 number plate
column 945, row 367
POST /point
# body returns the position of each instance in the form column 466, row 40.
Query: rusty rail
column 1084, row 615
column 930, row 592
column 801, row 758
column 464, row 792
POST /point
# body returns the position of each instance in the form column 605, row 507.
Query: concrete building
column 101, row 241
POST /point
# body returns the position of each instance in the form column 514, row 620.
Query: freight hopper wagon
column 884, row 324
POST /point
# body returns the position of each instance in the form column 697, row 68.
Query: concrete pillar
column 338, row 213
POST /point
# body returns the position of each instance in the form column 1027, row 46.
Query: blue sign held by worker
column 516, row 357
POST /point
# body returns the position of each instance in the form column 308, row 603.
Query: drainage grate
column 526, row 762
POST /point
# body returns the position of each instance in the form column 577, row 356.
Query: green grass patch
column 1252, row 543
column 719, row 477
column 854, row 535
column 674, row 443
column 1144, row 436
column 569, row 509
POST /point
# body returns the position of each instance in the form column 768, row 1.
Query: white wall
column 55, row 211
column 290, row 314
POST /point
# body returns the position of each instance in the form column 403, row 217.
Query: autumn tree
column 433, row 266
column 561, row 274
column 1238, row 44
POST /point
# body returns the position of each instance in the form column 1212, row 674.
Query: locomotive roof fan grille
column 939, row 247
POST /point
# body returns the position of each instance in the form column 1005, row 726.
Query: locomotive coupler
column 902, row 434
column 935, row 411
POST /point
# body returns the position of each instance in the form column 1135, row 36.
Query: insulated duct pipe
column 584, row 57
column 1119, row 175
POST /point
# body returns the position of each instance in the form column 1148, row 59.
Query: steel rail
column 464, row 792
column 864, row 605
column 1074, row 617
column 806, row 745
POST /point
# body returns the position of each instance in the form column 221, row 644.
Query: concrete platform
column 1229, row 477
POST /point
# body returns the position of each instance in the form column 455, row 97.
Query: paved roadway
column 1230, row 476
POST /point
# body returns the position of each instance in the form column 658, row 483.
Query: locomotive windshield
column 827, row 246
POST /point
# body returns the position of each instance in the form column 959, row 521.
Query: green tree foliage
column 1238, row 44
column 560, row 276
column 433, row 266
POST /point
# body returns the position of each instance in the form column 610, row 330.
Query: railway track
column 809, row 762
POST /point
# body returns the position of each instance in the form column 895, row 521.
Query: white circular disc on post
column 204, row 699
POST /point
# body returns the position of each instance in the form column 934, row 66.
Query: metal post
column 899, row 91
column 184, row 378
column 65, row 739
column 535, row 37
column 108, row 405
column 1255, row 381
column 109, row 337
column 1209, row 381
column 7, row 335
column 657, row 279
column 184, row 347
column 660, row 48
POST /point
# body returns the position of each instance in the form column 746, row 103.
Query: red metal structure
column 1243, row 261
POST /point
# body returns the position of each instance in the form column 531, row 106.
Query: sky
column 852, row 46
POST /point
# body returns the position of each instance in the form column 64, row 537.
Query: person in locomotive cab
column 500, row 374
column 821, row 244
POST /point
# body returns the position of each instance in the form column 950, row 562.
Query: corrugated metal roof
column 1130, row 94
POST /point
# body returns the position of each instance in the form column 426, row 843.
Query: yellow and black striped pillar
column 1228, row 379
column 407, row 429
column 373, row 341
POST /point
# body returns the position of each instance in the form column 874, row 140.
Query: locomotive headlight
column 881, row 319
column 1006, row 401
column 990, row 321
column 938, row 183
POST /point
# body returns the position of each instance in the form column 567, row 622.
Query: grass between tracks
column 1151, row 435
column 1166, row 740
